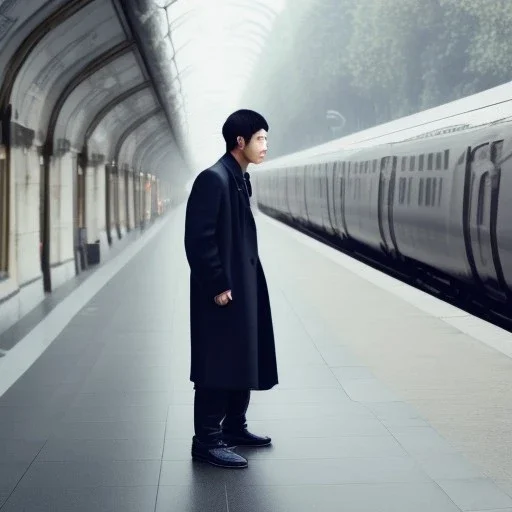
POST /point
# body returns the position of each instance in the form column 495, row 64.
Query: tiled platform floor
column 381, row 406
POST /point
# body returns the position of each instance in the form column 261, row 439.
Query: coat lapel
column 237, row 179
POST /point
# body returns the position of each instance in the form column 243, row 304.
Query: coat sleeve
column 201, row 246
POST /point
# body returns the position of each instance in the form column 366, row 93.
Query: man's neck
column 239, row 157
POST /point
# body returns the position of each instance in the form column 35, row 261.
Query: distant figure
column 232, row 337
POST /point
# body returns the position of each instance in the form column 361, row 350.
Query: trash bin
column 93, row 253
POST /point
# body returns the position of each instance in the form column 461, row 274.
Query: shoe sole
column 242, row 445
column 198, row 458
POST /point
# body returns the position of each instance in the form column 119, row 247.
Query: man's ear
column 241, row 142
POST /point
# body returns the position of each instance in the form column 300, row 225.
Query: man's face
column 256, row 150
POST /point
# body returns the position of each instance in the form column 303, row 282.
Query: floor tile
column 77, row 475
column 11, row 473
column 293, row 377
column 101, row 450
column 18, row 450
column 422, row 440
column 311, row 427
column 345, row 373
column 405, row 497
column 122, row 398
column 301, row 395
column 194, row 474
column 109, row 430
column 192, row 499
column 92, row 499
column 369, row 390
column 475, row 494
column 26, row 430
column 115, row 412
column 299, row 411
column 441, row 466
column 328, row 471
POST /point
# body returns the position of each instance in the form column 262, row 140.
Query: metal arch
column 143, row 143
column 157, row 162
column 115, row 123
column 107, row 108
column 129, row 8
column 139, row 138
column 136, row 124
column 157, row 158
column 143, row 147
column 32, row 40
column 149, row 157
column 104, row 59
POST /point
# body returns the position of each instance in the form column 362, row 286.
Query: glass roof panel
column 215, row 46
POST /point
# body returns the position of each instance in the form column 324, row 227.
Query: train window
column 366, row 166
column 4, row 226
column 446, row 158
column 427, row 191
column 374, row 165
column 461, row 158
column 484, row 199
column 434, row 186
column 412, row 163
column 421, row 163
column 439, row 158
column 401, row 190
column 404, row 163
column 420, row 193
column 496, row 151
column 430, row 161
column 440, row 191
column 409, row 187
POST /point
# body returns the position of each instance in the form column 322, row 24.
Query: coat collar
column 240, row 177
column 230, row 161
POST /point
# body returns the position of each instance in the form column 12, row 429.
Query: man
column 232, row 339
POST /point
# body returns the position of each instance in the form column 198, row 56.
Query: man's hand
column 223, row 298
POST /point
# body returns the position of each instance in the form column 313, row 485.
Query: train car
column 432, row 192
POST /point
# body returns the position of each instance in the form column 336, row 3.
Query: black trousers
column 216, row 410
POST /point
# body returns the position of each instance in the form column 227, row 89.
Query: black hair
column 242, row 123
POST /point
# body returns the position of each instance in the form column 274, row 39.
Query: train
column 432, row 190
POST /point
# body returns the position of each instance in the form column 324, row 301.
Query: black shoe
column 244, row 438
column 217, row 454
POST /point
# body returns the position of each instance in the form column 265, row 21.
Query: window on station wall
column 4, row 215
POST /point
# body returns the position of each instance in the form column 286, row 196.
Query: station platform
column 389, row 400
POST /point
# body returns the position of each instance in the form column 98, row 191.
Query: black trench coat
column 232, row 347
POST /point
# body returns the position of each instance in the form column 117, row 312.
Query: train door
column 338, row 199
column 484, row 183
column 300, row 194
column 4, row 213
column 328, row 220
column 42, row 202
column 115, row 200
column 386, row 194
column 306, row 193
column 331, row 194
column 127, row 175
column 283, row 192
